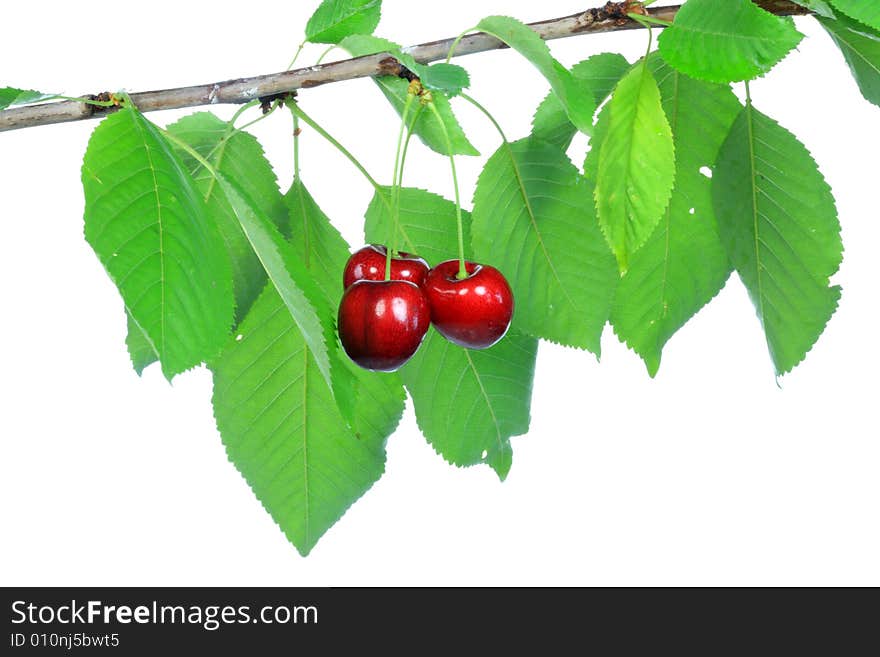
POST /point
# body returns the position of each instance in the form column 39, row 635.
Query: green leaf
column 379, row 397
column 139, row 348
column 864, row 11
column 448, row 78
column 10, row 97
column 861, row 49
column 334, row 20
column 445, row 77
column 148, row 225
column 395, row 89
column 468, row 402
column 379, row 404
column 601, row 73
column 726, row 41
column 534, row 220
column 426, row 225
column 820, row 7
column 683, row 265
column 318, row 244
column 636, row 166
column 304, row 301
column 778, row 223
column 239, row 156
column 360, row 45
column 280, row 422
column 574, row 95
column 283, row 430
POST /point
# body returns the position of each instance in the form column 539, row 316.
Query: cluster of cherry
column 382, row 322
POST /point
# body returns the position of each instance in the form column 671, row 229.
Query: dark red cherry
column 368, row 264
column 382, row 323
column 473, row 312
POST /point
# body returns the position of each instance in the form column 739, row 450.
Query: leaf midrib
column 854, row 51
column 473, row 367
column 631, row 153
column 732, row 35
column 361, row 9
column 161, row 226
column 748, row 109
column 533, row 221
column 305, row 430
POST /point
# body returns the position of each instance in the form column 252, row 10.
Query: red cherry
column 473, row 312
column 382, row 323
column 368, row 264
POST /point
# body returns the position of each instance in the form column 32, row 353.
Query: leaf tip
column 305, row 549
column 501, row 460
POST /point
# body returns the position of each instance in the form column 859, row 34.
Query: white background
column 709, row 474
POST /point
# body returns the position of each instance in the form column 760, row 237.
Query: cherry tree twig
column 244, row 90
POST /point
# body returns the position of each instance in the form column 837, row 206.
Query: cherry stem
column 409, row 134
column 488, row 115
column 462, row 270
column 391, row 245
column 309, row 121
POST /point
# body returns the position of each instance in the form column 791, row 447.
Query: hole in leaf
column 692, row 211
column 706, row 171
column 239, row 337
column 484, row 454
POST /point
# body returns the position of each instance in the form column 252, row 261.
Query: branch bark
column 244, row 90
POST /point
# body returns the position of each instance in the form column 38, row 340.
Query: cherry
column 382, row 323
column 368, row 263
column 473, row 312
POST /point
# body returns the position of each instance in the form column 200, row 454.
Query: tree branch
column 247, row 89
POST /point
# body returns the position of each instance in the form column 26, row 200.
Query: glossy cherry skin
column 368, row 264
column 382, row 323
column 473, row 312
